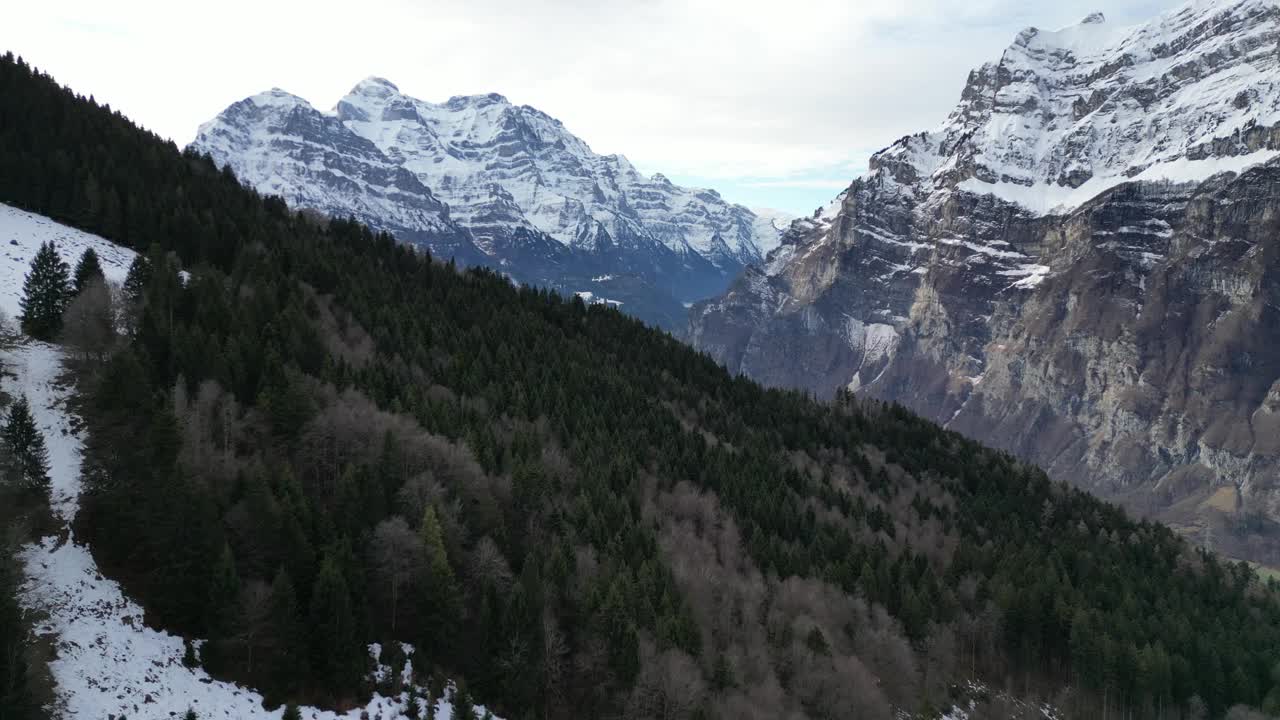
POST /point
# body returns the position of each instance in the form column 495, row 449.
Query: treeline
column 321, row 439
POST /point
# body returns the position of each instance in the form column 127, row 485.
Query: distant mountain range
column 487, row 182
column 1081, row 264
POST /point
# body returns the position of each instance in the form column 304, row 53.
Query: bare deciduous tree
column 255, row 614
column 419, row 491
column 90, row 321
column 398, row 556
column 669, row 687
column 555, row 653
column 487, row 566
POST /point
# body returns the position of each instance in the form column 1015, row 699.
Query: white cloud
column 759, row 90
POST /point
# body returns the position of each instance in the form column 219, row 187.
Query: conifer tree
column 291, row 712
column 413, row 707
column 189, row 657
column 440, row 601
column 221, row 607
column 135, row 283
column 87, row 269
column 463, row 708
column 433, row 541
column 288, row 661
column 26, row 459
column 190, row 714
column 45, row 294
column 335, row 652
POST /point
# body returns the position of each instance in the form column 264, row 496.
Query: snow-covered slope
column 109, row 663
column 22, row 233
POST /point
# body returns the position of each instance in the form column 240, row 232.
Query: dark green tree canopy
column 26, row 458
column 87, row 269
column 135, row 282
column 45, row 294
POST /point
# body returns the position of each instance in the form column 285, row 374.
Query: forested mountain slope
column 572, row 511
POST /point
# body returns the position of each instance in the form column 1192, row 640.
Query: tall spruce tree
column 45, row 294
column 288, row 666
column 335, row 650
column 440, row 603
column 87, row 269
column 26, row 458
column 220, row 612
column 135, row 283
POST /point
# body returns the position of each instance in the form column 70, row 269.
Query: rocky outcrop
column 1079, row 265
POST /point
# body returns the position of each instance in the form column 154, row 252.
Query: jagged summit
column 373, row 82
column 482, row 99
column 275, row 97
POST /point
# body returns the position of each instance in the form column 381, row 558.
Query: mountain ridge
column 493, row 183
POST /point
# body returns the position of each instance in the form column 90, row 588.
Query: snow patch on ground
column 22, row 233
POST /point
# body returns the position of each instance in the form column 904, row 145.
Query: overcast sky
column 774, row 103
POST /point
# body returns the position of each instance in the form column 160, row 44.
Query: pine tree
column 220, row 609
column 440, row 599
column 291, row 712
column 87, row 269
column 45, row 294
column 189, row 657
column 463, row 708
column 413, row 706
column 190, row 714
column 135, row 283
column 433, row 541
column 288, row 659
column 27, row 459
column 335, row 652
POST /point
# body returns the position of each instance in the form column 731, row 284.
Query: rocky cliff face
column 487, row 182
column 1079, row 265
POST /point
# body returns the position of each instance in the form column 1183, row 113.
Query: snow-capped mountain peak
column 507, row 184
column 1064, row 115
